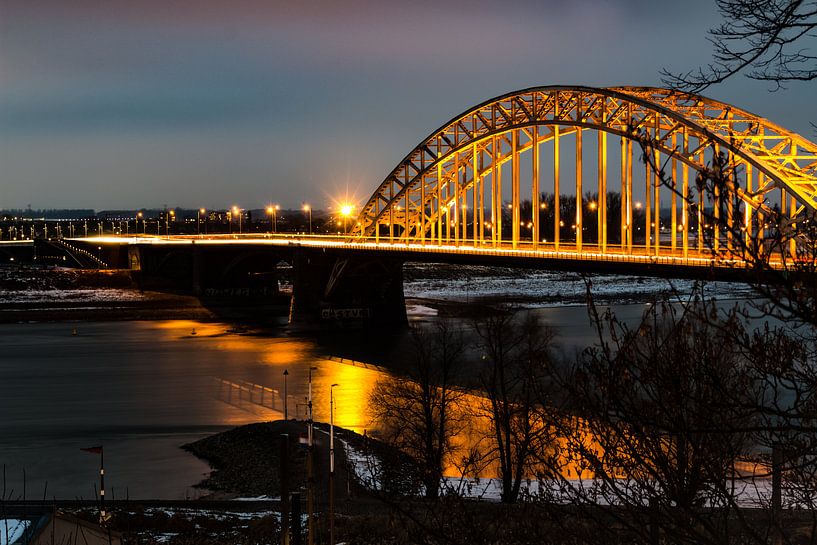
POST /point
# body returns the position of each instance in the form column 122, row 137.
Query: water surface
column 143, row 389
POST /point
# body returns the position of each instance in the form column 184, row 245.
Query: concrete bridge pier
column 340, row 290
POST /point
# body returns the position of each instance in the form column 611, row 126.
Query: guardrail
column 85, row 253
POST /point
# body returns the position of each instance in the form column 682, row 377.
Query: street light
column 237, row 210
column 308, row 210
column 272, row 210
column 345, row 212
column 310, row 468
column 144, row 224
column 199, row 214
column 168, row 215
column 286, row 397
column 332, row 464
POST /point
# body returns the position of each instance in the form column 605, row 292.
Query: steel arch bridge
column 494, row 178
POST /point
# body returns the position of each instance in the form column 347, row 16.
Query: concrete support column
column 346, row 291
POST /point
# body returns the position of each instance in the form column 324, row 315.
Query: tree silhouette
column 766, row 40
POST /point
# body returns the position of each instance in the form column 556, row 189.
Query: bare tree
column 518, row 359
column 419, row 412
column 768, row 40
column 779, row 248
column 660, row 415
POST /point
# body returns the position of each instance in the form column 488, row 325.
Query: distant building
column 56, row 529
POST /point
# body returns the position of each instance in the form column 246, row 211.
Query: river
column 143, row 388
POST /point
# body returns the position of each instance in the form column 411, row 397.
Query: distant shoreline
column 152, row 307
column 65, row 295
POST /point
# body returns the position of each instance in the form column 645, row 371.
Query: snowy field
column 96, row 295
column 65, row 286
column 528, row 288
column 435, row 282
column 749, row 492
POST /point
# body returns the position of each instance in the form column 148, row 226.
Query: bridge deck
column 524, row 252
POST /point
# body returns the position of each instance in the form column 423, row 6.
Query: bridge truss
column 538, row 169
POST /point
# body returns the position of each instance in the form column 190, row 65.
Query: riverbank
column 68, row 295
column 246, row 462
column 37, row 294
column 443, row 285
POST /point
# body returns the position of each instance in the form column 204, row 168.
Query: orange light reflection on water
column 231, row 355
column 174, row 329
column 355, row 384
column 478, row 433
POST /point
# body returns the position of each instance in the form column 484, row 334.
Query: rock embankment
column 246, row 462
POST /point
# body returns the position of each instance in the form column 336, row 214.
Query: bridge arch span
column 473, row 164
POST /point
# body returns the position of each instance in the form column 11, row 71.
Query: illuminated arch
column 414, row 204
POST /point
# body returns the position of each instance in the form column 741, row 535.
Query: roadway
column 524, row 254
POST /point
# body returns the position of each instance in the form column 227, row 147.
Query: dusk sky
column 127, row 104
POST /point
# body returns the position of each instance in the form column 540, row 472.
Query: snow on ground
column 367, row 469
column 536, row 287
column 70, row 295
column 749, row 493
column 11, row 530
column 258, row 498
column 212, row 513
column 420, row 310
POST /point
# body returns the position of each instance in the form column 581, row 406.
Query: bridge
column 579, row 178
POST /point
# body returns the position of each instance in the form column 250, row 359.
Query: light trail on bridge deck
column 567, row 252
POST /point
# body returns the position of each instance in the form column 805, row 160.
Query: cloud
column 129, row 111
column 190, row 93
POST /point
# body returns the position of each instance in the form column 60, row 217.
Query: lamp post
column 308, row 210
column 169, row 214
column 237, row 210
column 345, row 212
column 199, row 214
column 286, row 397
column 138, row 216
column 272, row 210
column 310, row 470
column 332, row 464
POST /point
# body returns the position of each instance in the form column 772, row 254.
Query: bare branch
column 767, row 40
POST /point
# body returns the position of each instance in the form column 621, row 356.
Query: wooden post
column 295, row 529
column 777, row 495
column 283, row 477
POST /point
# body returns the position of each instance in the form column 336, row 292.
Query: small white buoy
column 74, row 332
